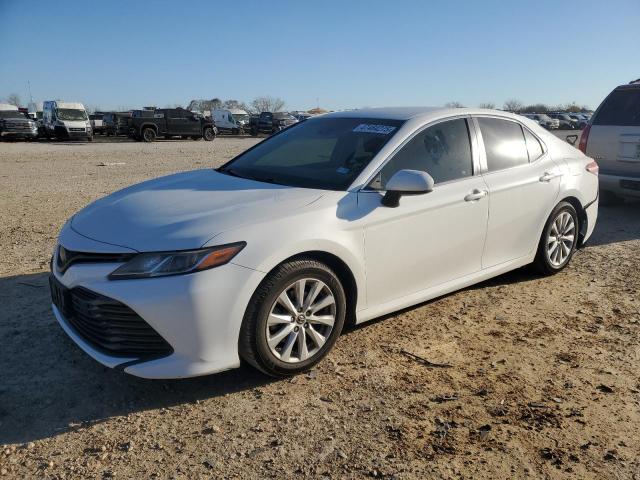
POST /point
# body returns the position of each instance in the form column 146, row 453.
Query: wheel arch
column 341, row 269
column 582, row 217
column 152, row 125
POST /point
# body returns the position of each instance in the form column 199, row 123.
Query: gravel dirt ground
column 517, row 377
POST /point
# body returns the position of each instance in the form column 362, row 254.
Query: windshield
column 11, row 114
column 71, row 114
column 240, row 117
column 324, row 153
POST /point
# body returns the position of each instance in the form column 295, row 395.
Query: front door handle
column 548, row 176
column 475, row 195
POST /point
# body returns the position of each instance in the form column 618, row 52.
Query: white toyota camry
column 343, row 217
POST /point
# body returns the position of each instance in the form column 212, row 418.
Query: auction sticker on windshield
column 368, row 128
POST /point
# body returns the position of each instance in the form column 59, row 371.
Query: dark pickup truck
column 148, row 125
column 269, row 122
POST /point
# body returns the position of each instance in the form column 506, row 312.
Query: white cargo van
column 226, row 122
column 66, row 120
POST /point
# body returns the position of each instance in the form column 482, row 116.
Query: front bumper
column 623, row 186
column 63, row 132
column 19, row 134
column 198, row 314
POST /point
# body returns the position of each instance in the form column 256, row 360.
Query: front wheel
column 294, row 318
column 208, row 134
column 559, row 240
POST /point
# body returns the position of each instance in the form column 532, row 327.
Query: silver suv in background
column 612, row 138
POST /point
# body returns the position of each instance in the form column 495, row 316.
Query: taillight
column 583, row 139
column 592, row 167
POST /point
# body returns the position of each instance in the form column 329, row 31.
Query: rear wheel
column 208, row 134
column 294, row 318
column 148, row 134
column 559, row 240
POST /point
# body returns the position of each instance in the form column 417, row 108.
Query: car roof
column 409, row 113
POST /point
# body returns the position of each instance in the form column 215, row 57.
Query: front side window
column 442, row 150
column 71, row 114
column 503, row 143
column 326, row 153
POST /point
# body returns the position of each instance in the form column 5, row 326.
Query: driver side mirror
column 406, row 182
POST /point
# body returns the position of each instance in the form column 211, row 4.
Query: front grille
column 108, row 325
column 76, row 129
column 65, row 258
column 18, row 127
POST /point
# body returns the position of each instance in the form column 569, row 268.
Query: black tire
column 254, row 132
column 90, row 139
column 252, row 343
column 208, row 134
column 610, row 199
column 148, row 134
column 542, row 262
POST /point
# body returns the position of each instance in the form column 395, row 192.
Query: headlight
column 146, row 265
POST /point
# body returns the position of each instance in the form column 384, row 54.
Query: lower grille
column 106, row 324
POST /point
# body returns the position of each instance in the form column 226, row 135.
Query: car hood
column 185, row 210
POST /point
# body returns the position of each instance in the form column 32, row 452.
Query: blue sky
column 346, row 54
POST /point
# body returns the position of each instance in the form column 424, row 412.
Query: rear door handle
column 475, row 195
column 548, row 176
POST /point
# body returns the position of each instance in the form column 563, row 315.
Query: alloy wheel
column 301, row 320
column 561, row 239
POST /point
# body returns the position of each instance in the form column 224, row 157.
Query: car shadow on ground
column 48, row 383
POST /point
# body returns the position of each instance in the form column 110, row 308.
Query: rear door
column 614, row 136
column 176, row 122
column 524, row 183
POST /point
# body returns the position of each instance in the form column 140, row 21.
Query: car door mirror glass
column 406, row 182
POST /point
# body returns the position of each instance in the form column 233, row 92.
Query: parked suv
column 544, row 120
column 272, row 122
column 116, row 123
column 566, row 122
column 612, row 138
column 147, row 125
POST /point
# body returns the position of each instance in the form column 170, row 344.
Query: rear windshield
column 323, row 153
column 621, row 108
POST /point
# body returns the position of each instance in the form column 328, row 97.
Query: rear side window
column 621, row 108
column 534, row 148
column 503, row 143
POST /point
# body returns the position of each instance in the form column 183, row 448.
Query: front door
column 432, row 238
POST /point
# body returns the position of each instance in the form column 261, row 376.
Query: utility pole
column 30, row 96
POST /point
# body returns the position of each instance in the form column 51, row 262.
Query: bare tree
column 487, row 105
column 535, row 108
column 267, row 104
column 513, row 105
column 235, row 105
column 454, row 105
column 14, row 99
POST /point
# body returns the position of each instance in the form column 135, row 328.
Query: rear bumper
column 623, row 186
